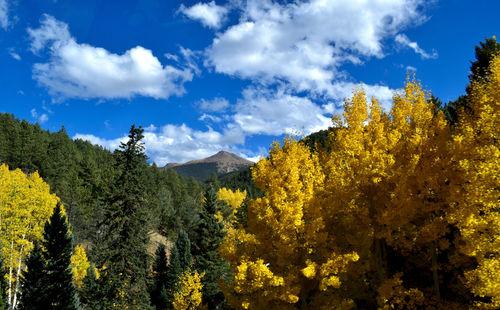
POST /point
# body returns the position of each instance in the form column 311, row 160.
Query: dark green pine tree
column 205, row 245
column 58, row 247
column 123, row 248
column 33, row 294
column 159, row 294
column 91, row 295
column 183, row 246
column 3, row 286
column 485, row 52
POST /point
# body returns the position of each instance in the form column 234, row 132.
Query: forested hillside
column 393, row 209
column 81, row 173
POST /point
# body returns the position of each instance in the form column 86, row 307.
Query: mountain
column 220, row 163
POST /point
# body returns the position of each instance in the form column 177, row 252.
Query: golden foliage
column 25, row 205
column 79, row 265
column 400, row 188
column 189, row 296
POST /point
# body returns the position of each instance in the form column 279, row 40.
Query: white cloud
column 210, row 117
column 406, row 42
column 41, row 118
column 209, row 14
column 411, row 68
column 78, row 70
column 107, row 144
column 217, row 104
column 4, row 14
column 14, row 55
column 178, row 143
column 305, row 43
column 262, row 111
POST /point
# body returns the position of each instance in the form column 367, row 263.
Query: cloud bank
column 76, row 70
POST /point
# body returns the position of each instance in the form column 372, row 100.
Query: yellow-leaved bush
column 79, row 265
column 400, row 211
column 25, row 205
column 189, row 296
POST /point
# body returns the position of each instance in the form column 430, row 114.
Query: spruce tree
column 123, row 248
column 159, row 295
column 33, row 294
column 58, row 247
column 91, row 293
column 208, row 236
column 183, row 245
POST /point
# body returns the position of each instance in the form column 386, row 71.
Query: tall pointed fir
column 159, row 293
column 33, row 288
column 205, row 245
column 91, row 294
column 123, row 247
column 183, row 245
column 57, row 250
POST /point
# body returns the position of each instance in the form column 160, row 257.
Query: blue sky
column 204, row 76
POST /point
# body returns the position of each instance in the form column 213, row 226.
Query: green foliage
column 123, row 248
column 205, row 245
column 91, row 294
column 183, row 245
column 33, row 288
column 159, row 294
column 57, row 244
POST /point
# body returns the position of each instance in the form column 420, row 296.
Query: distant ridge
column 221, row 163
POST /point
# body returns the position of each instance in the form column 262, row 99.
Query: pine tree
column 123, row 248
column 33, row 285
column 159, row 295
column 58, row 248
column 183, row 245
column 91, row 293
column 208, row 236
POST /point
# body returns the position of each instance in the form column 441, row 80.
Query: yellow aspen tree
column 284, row 258
column 189, row 296
column 234, row 200
column 386, row 185
column 475, row 202
column 79, row 265
column 25, row 205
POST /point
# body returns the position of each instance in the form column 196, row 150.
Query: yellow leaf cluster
column 25, row 205
column 189, row 297
column 400, row 185
column 79, row 265
column 475, row 201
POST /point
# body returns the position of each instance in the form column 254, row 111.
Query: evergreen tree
column 91, row 294
column 58, row 247
column 123, row 248
column 208, row 236
column 33, row 283
column 159, row 295
column 183, row 245
column 3, row 286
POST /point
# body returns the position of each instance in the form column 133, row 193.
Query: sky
column 205, row 76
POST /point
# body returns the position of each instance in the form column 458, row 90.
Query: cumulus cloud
column 262, row 111
column 78, row 70
column 209, row 14
column 4, row 14
column 406, row 42
column 178, row 143
column 217, row 104
column 305, row 43
column 41, row 118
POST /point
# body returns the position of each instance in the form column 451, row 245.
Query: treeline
column 80, row 174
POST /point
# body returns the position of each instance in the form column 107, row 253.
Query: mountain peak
column 221, row 163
